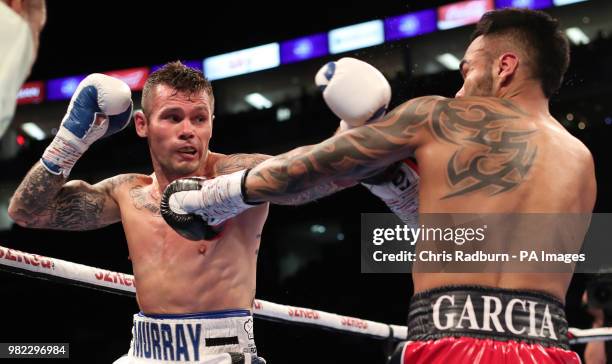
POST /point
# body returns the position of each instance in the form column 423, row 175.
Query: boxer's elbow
column 14, row 210
column 17, row 214
column 21, row 217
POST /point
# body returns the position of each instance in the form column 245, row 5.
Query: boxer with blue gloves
column 195, row 289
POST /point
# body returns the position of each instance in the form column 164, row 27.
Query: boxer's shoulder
column 116, row 185
column 225, row 164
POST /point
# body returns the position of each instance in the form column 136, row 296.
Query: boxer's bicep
column 76, row 205
column 45, row 200
column 82, row 206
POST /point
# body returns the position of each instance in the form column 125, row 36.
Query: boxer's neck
column 527, row 95
column 162, row 179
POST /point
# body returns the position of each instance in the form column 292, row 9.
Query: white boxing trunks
column 219, row 337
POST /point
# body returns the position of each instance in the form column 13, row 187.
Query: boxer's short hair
column 540, row 38
column 179, row 77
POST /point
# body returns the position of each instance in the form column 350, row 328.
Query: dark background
column 295, row 266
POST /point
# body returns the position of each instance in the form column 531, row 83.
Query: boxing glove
column 354, row 90
column 100, row 107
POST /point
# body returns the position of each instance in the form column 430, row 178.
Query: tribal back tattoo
column 504, row 153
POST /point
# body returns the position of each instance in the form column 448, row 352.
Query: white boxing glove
column 358, row 94
column 354, row 90
column 100, row 106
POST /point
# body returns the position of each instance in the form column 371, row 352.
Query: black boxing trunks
column 466, row 324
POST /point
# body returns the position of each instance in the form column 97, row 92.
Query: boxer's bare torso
column 487, row 155
column 173, row 274
column 176, row 275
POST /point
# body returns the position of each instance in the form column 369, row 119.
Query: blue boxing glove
column 101, row 106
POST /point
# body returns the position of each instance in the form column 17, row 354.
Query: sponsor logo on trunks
column 354, row 322
column 302, row 313
column 157, row 341
column 26, row 258
column 493, row 314
column 248, row 328
column 114, row 277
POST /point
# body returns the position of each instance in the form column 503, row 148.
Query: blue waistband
column 199, row 315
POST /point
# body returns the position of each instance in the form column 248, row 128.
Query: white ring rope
column 43, row 267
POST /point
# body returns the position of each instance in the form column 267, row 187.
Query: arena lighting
column 20, row 140
column 318, row 229
column 356, row 36
column 577, row 36
column 258, row 101
column 567, row 2
column 283, row 114
column 241, row 62
column 449, row 61
column 33, row 131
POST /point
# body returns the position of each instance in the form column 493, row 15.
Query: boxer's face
column 477, row 71
column 178, row 130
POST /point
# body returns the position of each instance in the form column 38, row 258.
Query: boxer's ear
column 506, row 68
column 141, row 123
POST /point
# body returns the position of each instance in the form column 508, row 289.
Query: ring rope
column 47, row 268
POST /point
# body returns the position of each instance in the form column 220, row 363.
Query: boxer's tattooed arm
column 356, row 153
column 312, row 193
column 44, row 200
column 351, row 155
column 236, row 162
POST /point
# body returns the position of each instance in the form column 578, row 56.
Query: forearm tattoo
column 237, row 162
column 487, row 124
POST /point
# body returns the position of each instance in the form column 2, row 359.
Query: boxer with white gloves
column 358, row 94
